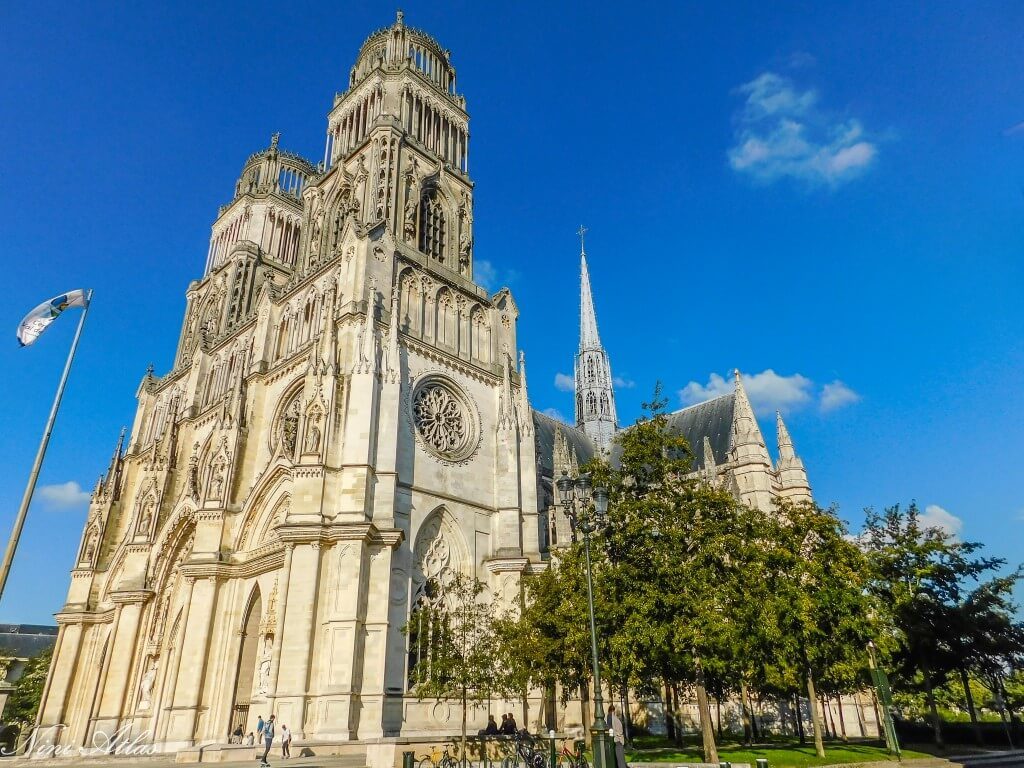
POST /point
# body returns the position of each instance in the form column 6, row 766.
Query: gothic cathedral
column 346, row 420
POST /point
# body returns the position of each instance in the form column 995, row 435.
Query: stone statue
column 313, row 434
column 217, row 482
column 146, row 690
column 263, row 682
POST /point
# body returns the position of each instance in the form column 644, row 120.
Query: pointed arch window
column 590, row 369
column 591, row 403
column 433, row 227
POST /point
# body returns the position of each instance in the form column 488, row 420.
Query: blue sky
column 828, row 198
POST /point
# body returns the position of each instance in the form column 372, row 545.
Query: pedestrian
column 492, row 727
column 618, row 737
column 259, row 728
column 250, row 740
column 513, row 727
column 286, row 741
column 236, row 735
column 268, row 739
column 503, row 729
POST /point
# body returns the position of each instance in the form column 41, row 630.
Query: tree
column 453, row 632
column 922, row 576
column 820, row 581
column 23, row 702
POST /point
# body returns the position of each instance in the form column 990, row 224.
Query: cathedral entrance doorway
column 245, row 675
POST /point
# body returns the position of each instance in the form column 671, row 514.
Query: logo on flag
column 39, row 319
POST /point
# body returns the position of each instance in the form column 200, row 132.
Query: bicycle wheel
column 538, row 761
column 425, row 762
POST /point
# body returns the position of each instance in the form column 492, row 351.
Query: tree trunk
column 464, row 726
column 627, row 720
column 799, row 720
column 859, row 709
column 706, row 731
column 812, row 700
column 755, row 716
column 827, row 706
column 585, row 712
column 670, row 723
column 932, row 707
column 969, row 697
column 748, row 728
column 676, row 717
column 718, row 716
column 879, row 725
column 842, row 718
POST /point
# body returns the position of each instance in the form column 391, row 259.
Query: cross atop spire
column 581, row 232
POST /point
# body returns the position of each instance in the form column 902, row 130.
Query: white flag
column 39, row 319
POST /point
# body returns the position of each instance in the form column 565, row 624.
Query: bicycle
column 577, row 759
column 445, row 760
column 526, row 748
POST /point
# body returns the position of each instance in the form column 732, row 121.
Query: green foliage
column 455, row 634
column 23, row 702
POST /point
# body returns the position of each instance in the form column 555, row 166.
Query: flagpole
column 26, row 500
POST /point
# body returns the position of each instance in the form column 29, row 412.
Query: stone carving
column 436, row 561
column 289, row 427
column 312, row 444
column 192, row 481
column 89, row 550
column 146, row 517
column 440, row 419
column 263, row 682
column 217, row 477
column 146, row 688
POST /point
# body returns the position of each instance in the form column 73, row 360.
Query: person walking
column 268, row 739
column 259, row 728
column 286, row 741
column 618, row 734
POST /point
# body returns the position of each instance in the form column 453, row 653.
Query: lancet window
column 433, row 227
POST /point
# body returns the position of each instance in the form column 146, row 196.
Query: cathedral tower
column 595, row 397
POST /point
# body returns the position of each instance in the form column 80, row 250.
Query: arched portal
column 247, row 676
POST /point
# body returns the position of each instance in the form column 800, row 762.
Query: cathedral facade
column 346, row 419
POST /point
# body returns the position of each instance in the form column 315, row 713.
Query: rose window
column 443, row 420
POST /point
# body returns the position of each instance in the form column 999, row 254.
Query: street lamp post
column 881, row 683
column 587, row 510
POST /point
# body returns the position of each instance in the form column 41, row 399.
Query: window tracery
column 433, row 227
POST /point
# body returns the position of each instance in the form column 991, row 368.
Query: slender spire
column 786, row 450
column 743, row 419
column 588, row 319
column 595, row 396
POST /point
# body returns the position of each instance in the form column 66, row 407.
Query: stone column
column 62, row 676
column 297, row 628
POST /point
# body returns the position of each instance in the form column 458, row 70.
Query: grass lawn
column 779, row 755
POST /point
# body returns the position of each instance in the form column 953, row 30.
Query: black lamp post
column 587, row 510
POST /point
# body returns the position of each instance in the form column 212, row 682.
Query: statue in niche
column 217, row 481
column 160, row 616
column 145, row 518
column 89, row 553
column 146, row 689
column 193, row 475
column 312, row 433
column 290, row 427
column 263, row 682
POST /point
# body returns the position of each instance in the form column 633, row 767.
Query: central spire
column 595, row 397
column 588, row 319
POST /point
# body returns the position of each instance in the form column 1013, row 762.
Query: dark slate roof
column 712, row 418
column 26, row 640
column 544, row 437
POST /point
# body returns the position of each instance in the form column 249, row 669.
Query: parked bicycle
column 436, row 760
column 528, row 750
column 577, row 759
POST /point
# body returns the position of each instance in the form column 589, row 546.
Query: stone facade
column 346, row 418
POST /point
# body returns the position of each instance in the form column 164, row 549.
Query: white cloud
column 767, row 390
column 484, row 273
column 487, row 275
column 64, row 495
column 556, row 414
column 935, row 516
column 1014, row 130
column 781, row 132
column 835, row 395
column 623, row 383
column 564, row 382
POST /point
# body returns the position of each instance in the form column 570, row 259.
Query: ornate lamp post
column 881, row 683
column 587, row 510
